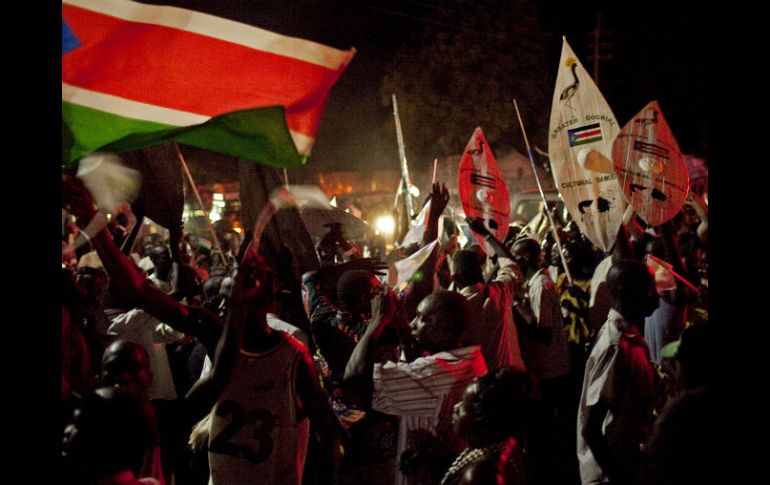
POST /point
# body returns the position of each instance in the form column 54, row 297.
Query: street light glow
column 385, row 225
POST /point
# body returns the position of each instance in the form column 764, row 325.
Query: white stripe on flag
column 149, row 112
column 303, row 142
column 128, row 108
column 219, row 28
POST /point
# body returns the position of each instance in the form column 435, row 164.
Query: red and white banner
column 482, row 189
column 650, row 167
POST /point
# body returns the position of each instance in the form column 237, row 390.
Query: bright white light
column 218, row 196
column 414, row 191
column 214, row 216
column 385, row 225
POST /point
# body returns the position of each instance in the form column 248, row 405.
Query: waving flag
column 137, row 75
column 585, row 134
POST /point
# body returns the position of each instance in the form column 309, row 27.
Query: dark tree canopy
column 462, row 69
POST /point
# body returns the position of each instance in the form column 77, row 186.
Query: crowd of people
column 505, row 368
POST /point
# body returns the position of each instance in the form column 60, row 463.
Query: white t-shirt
column 423, row 392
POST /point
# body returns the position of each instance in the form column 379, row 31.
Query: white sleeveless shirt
column 256, row 433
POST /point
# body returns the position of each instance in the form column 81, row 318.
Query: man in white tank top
column 266, row 393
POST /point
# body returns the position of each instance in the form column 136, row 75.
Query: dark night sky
column 657, row 47
column 658, row 52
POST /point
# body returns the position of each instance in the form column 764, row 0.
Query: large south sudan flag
column 136, row 75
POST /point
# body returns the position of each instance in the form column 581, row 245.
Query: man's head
column 687, row 219
column 110, row 433
column 185, row 251
column 212, row 287
column 555, row 258
column 526, row 253
column 492, row 408
column 94, row 280
column 514, row 229
column 631, row 285
column 579, row 257
column 466, row 268
column 440, row 321
column 161, row 259
column 262, row 296
column 355, row 290
column 126, row 364
column 328, row 246
column 150, row 241
column 656, row 247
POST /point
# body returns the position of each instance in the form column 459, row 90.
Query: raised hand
column 477, row 225
column 439, row 197
column 76, row 199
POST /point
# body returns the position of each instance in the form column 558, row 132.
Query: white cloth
column 142, row 328
column 90, row 260
column 618, row 374
column 599, row 304
column 492, row 326
column 423, row 392
column 546, row 359
column 276, row 324
column 146, row 264
column 258, row 434
column 164, row 286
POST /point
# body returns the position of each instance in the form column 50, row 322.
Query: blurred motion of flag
column 136, row 75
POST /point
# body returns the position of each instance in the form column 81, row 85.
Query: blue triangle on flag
column 68, row 39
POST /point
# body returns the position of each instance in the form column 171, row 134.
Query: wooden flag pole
column 128, row 243
column 404, row 165
column 200, row 202
column 542, row 194
column 435, row 166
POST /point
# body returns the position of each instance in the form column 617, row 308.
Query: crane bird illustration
column 570, row 90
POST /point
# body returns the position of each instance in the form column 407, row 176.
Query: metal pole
column 200, row 202
column 404, row 165
column 542, row 194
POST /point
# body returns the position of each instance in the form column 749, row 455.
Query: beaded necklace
column 472, row 455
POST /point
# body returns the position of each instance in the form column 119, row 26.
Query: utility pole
column 597, row 35
column 597, row 46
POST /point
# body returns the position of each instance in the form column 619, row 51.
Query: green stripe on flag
column 587, row 140
column 81, row 121
column 259, row 135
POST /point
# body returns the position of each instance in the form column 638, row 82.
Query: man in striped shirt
column 424, row 390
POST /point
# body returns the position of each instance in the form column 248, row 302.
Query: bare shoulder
column 493, row 470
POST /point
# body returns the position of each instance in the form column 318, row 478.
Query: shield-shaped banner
column 482, row 189
column 650, row 167
column 582, row 130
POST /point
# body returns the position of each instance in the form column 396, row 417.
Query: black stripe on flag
column 483, row 180
column 651, row 148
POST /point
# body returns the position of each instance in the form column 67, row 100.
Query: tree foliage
column 471, row 61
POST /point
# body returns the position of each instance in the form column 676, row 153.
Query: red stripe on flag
column 190, row 72
column 587, row 134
